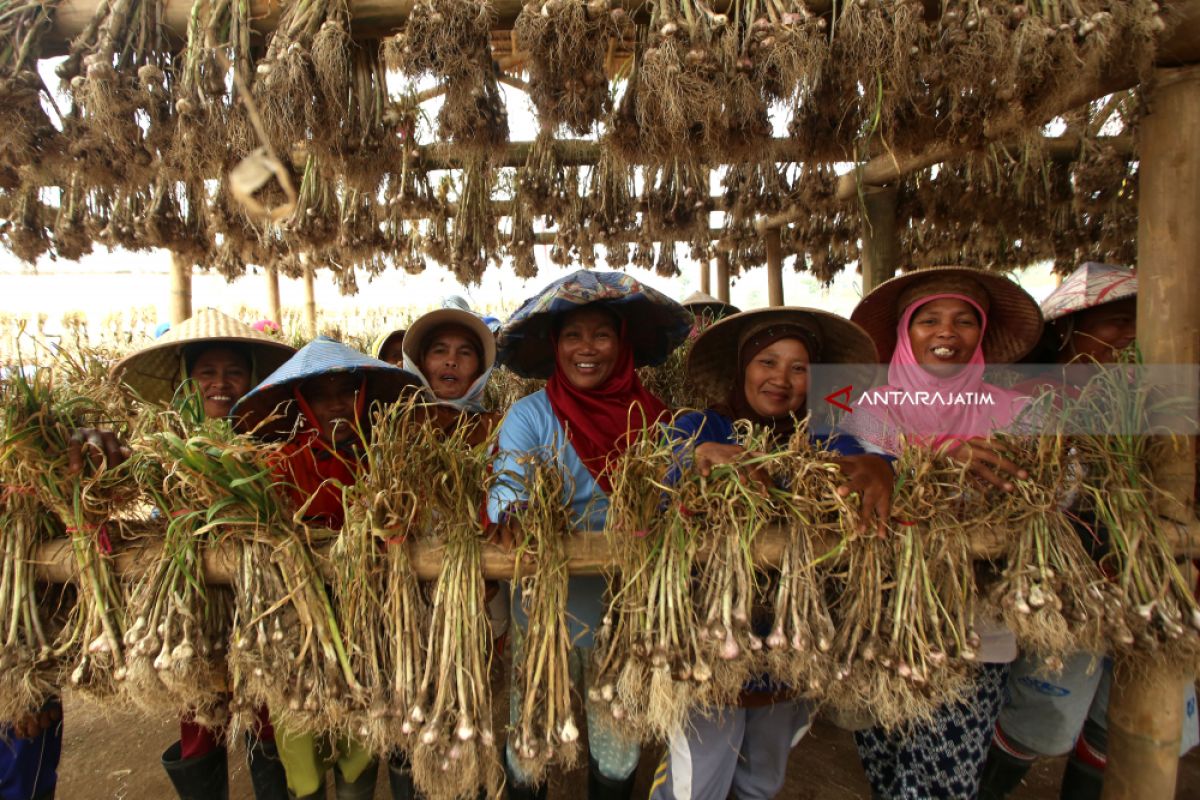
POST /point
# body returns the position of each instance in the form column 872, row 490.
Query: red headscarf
column 602, row 422
column 315, row 470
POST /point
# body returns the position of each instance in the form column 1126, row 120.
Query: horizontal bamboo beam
column 587, row 554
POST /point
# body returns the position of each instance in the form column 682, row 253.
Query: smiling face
column 450, row 361
column 223, row 376
column 1102, row 332
column 776, row 379
column 944, row 334
column 588, row 344
column 332, row 400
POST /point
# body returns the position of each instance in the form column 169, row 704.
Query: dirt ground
column 116, row 755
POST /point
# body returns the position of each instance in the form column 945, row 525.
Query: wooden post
column 774, row 267
column 880, row 243
column 274, row 309
column 723, row 276
column 705, row 277
column 310, row 302
column 181, row 289
column 1146, row 705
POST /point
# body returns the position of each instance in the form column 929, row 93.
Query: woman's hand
column 33, row 724
column 98, row 447
column 872, row 479
column 708, row 455
column 984, row 461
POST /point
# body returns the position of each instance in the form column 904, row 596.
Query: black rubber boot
column 363, row 787
column 266, row 770
column 1002, row 773
column 400, row 778
column 1081, row 781
column 203, row 778
column 602, row 788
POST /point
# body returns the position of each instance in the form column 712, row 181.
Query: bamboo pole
column 705, row 277
column 588, row 553
column 273, row 306
column 723, row 276
column 881, row 244
column 181, row 289
column 310, row 302
column 774, row 267
column 1145, row 706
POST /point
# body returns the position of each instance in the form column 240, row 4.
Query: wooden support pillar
column 310, row 302
column 880, row 255
column 705, row 277
column 1146, row 705
column 274, row 309
column 723, row 276
column 774, row 267
column 181, row 289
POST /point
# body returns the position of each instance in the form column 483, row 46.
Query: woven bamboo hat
column 155, row 371
column 428, row 323
column 700, row 303
column 1014, row 321
column 713, row 362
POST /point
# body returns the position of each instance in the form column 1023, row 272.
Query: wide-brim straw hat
column 428, row 323
column 1093, row 284
column 713, row 362
column 654, row 323
column 155, row 371
column 1014, row 321
column 700, row 303
column 322, row 356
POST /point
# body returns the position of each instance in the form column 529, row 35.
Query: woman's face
column 393, row 352
column 332, row 400
column 776, row 379
column 944, row 334
column 588, row 344
column 451, row 362
column 223, row 377
column 1102, row 332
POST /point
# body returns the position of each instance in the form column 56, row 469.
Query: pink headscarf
column 940, row 417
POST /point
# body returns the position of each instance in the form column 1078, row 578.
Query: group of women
column 586, row 335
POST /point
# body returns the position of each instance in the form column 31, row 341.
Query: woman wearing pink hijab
column 942, row 327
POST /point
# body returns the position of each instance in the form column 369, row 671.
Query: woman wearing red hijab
column 586, row 334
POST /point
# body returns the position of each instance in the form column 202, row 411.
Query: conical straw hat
column 1091, row 285
column 701, row 303
column 154, row 372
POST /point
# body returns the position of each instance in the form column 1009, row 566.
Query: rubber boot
column 1081, row 781
column 400, row 778
column 363, row 787
column 266, row 770
column 1002, row 773
column 203, row 778
column 603, row 788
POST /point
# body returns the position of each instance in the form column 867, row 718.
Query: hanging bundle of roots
column 27, row 134
column 1050, row 591
column 568, row 42
column 905, row 619
column 1154, row 592
column 782, row 46
column 44, row 411
column 545, row 732
column 179, row 625
column 454, row 755
column 375, row 579
column 474, row 233
column 450, row 40
column 648, row 655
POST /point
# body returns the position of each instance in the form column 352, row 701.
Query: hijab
column 472, row 401
column 753, row 342
column 602, row 422
column 942, row 418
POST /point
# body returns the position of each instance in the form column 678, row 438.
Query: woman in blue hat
column 585, row 333
column 320, row 402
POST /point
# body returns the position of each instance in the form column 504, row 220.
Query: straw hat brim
column 713, row 361
column 153, row 372
column 427, row 323
column 1014, row 321
column 701, row 303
